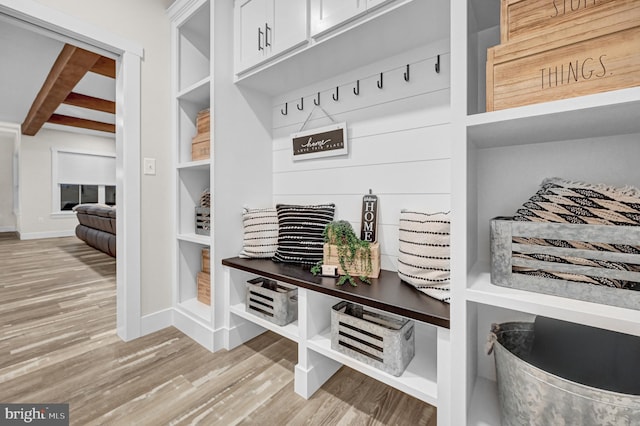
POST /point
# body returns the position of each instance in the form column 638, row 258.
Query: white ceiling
column 26, row 57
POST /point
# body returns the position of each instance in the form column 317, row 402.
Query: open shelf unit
column 502, row 157
column 191, row 47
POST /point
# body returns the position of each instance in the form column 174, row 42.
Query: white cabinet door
column 326, row 14
column 288, row 26
column 251, row 43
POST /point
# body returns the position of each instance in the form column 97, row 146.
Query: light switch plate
column 149, row 166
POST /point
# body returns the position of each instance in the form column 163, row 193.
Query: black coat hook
column 438, row 65
column 406, row 74
column 316, row 101
column 336, row 95
column 300, row 106
column 356, row 90
column 380, row 82
column 286, row 109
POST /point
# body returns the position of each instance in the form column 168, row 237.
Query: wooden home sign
column 322, row 142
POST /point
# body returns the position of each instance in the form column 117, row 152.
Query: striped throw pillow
column 260, row 233
column 300, row 237
column 424, row 255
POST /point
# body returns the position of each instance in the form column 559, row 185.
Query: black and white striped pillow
column 260, row 233
column 424, row 256
column 300, row 237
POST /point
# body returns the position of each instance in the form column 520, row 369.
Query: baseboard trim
column 156, row 321
column 195, row 329
column 46, row 234
column 7, row 229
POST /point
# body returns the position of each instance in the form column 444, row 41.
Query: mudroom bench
column 426, row 377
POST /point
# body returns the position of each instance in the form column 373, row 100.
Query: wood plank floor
column 58, row 344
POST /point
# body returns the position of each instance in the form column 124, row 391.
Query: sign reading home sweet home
column 322, row 142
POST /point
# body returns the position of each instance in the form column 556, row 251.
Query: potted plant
column 352, row 254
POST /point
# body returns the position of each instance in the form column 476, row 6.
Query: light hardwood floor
column 58, row 344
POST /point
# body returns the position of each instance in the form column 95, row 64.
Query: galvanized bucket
column 531, row 396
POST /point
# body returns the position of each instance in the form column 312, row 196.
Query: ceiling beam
column 105, row 66
column 89, row 102
column 83, row 123
column 70, row 66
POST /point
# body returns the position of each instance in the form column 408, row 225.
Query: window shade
column 87, row 169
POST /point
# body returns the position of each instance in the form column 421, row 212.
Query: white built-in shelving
column 501, row 158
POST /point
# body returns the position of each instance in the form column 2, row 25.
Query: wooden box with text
column 539, row 70
column 562, row 19
column 204, row 287
column 201, row 147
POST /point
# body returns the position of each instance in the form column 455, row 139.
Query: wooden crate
column 203, row 123
column 382, row 341
column 561, row 19
column 201, row 147
column 204, row 287
column 528, row 72
column 206, row 261
column 504, row 257
column 330, row 257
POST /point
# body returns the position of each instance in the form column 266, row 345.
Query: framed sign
column 322, row 142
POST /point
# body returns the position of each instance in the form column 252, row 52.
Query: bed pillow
column 260, row 233
column 300, row 237
column 424, row 257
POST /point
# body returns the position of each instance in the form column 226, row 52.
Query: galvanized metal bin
column 504, row 258
column 203, row 221
column 382, row 341
column 533, row 396
column 272, row 300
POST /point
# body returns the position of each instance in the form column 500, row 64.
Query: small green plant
column 350, row 248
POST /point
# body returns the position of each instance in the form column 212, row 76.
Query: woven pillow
column 424, row 255
column 260, row 233
column 300, row 237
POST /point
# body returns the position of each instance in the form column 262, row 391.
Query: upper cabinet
column 327, row 14
column 265, row 28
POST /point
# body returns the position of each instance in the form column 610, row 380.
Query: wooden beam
column 83, row 123
column 70, row 66
column 89, row 102
column 105, row 66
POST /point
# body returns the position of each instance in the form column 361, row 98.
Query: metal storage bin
column 203, row 220
column 271, row 300
column 568, row 374
column 382, row 341
column 504, row 257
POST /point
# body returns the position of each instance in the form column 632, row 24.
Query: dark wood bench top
column 387, row 292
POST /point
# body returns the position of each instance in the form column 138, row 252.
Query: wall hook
column 356, row 90
column 438, row 65
column 380, row 82
column 300, row 106
column 406, row 74
column 336, row 95
column 316, row 101
column 286, row 108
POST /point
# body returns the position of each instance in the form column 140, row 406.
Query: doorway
column 127, row 56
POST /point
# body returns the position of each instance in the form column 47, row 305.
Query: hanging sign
column 369, row 227
column 322, row 142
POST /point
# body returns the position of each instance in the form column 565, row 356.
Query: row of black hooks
column 356, row 89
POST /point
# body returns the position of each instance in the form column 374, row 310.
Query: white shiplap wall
column 398, row 139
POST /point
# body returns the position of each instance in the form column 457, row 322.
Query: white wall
column 7, row 218
column 145, row 22
column 36, row 220
column 399, row 143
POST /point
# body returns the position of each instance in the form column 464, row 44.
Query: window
column 72, row 195
column 81, row 177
